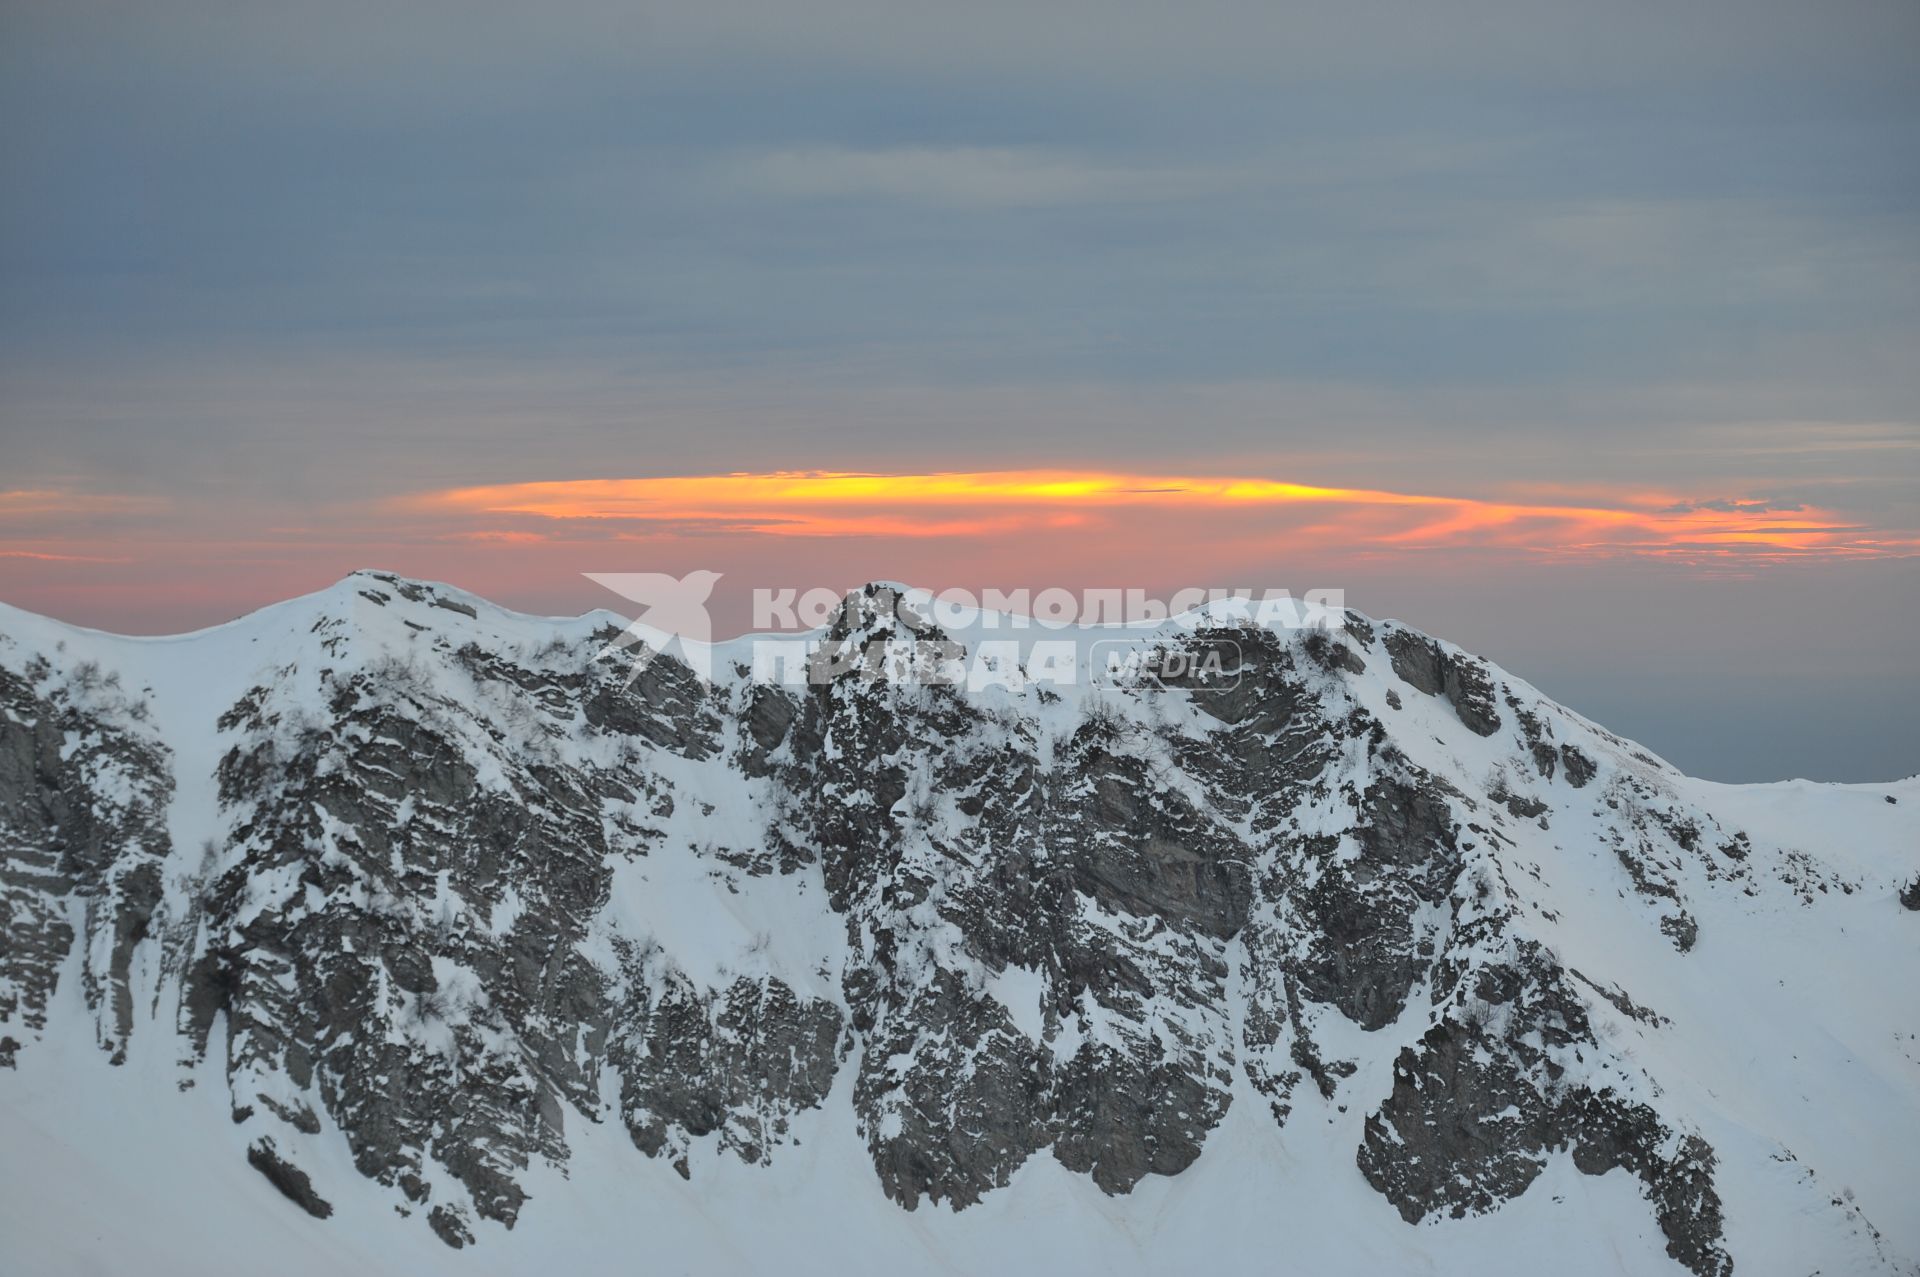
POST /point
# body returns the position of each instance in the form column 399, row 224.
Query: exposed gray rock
column 449, row 1223
column 288, row 1178
column 1580, row 768
column 738, row 1063
column 418, row 973
column 1428, row 667
column 1357, row 915
column 1482, row 1101
column 83, row 796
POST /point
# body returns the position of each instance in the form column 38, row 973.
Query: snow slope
column 1739, row 958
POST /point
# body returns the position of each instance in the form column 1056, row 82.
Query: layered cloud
column 999, row 502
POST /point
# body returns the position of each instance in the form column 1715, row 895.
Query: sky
column 1581, row 335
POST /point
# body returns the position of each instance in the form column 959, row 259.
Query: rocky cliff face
column 453, row 885
column 84, row 787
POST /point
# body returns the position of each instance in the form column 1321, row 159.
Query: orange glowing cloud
column 41, row 556
column 990, row 503
column 1001, row 502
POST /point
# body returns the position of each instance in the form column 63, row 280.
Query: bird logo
column 673, row 610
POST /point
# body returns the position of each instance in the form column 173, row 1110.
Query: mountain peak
column 478, row 936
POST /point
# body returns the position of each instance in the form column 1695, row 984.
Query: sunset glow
column 993, row 503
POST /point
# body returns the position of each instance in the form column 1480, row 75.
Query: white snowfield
column 1788, row 1037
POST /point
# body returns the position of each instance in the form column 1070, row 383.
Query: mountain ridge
column 384, row 838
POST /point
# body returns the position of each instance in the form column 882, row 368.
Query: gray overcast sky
column 264, row 266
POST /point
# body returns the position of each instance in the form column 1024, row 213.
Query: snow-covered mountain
column 388, row 928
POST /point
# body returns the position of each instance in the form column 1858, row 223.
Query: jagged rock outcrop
column 292, row 1182
column 1427, row 666
column 738, row 1063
